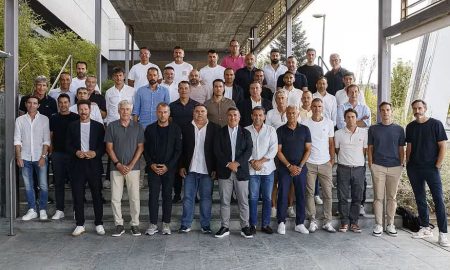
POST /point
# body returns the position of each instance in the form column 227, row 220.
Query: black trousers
column 60, row 162
column 157, row 183
column 87, row 171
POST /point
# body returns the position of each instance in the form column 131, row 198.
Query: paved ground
column 56, row 249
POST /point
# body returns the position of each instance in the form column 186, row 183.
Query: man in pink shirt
column 234, row 60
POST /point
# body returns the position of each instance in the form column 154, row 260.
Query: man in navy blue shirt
column 294, row 148
column 425, row 152
column 300, row 79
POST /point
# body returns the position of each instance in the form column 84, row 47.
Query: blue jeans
column 202, row 183
column 263, row 183
column 284, row 184
column 27, row 174
column 418, row 177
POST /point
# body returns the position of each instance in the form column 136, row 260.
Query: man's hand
column 41, row 162
column 233, row 166
column 183, row 172
column 294, row 170
column 19, row 162
column 80, row 154
column 90, row 154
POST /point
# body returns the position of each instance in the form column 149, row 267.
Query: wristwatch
column 115, row 163
column 44, row 156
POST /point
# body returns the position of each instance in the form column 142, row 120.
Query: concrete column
column 98, row 40
column 288, row 28
column 11, row 89
column 384, row 53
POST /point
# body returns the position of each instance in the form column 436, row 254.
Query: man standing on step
column 124, row 144
column 273, row 70
column 386, row 154
column 294, row 148
column 86, row 147
column 351, row 146
column 234, row 60
column 31, row 143
column 425, row 151
column 162, row 148
column 59, row 123
column 137, row 77
column 233, row 148
column 320, row 164
column 198, row 165
column 262, row 167
column 335, row 75
column 312, row 71
column 180, row 67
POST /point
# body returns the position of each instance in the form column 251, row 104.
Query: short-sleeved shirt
column 424, row 138
column 125, row 141
column 182, row 114
column 351, row 146
column 300, row 81
column 334, row 80
column 47, row 105
column 386, row 139
column 181, row 71
column 58, row 126
column 138, row 74
column 312, row 73
column 321, row 132
column 233, row 62
column 293, row 142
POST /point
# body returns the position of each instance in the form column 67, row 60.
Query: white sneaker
column 443, row 241
column 301, row 229
column 31, row 214
column 273, row 213
column 362, row 212
column 291, row 211
column 313, row 227
column 152, row 229
column 43, row 215
column 107, row 184
column 166, row 229
column 391, row 231
column 329, row 228
column 377, row 230
column 79, row 230
column 281, row 228
column 318, row 200
column 58, row 215
column 424, row 232
column 100, row 230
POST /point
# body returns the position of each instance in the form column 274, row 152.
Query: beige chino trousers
column 324, row 173
column 117, row 183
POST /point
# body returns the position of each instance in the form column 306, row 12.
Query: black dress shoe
column 267, row 230
column 246, row 232
column 222, row 232
column 253, row 229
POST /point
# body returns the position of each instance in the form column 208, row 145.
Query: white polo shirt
column 181, row 71
column 209, row 74
column 329, row 105
column 138, row 74
column 321, row 132
column 351, row 146
column 31, row 135
column 113, row 96
column 265, row 144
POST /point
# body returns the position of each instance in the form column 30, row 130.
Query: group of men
column 272, row 133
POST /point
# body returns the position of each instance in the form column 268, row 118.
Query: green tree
column 299, row 44
column 401, row 75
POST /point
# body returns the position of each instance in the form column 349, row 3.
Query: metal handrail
column 61, row 71
column 11, row 201
column 320, row 60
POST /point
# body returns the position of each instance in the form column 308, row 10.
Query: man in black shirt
column 312, row 71
column 335, row 75
column 425, row 151
column 300, row 79
column 59, row 124
column 244, row 76
column 94, row 96
column 47, row 104
column 162, row 148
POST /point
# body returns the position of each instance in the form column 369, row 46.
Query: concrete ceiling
column 195, row 25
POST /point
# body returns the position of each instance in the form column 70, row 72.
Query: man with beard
column 273, row 70
column 180, row 67
column 300, row 79
column 244, row 76
column 137, row 77
column 294, row 95
column 64, row 88
column 218, row 105
column 147, row 98
column 198, row 91
column 80, row 79
column 312, row 71
column 170, row 84
column 234, row 60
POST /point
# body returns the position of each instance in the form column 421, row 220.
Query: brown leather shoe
column 343, row 228
column 355, row 228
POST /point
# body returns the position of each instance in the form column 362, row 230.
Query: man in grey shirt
column 124, row 144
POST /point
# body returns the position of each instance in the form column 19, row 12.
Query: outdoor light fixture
column 4, row 54
column 318, row 16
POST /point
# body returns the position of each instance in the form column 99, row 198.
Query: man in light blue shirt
column 363, row 118
column 147, row 99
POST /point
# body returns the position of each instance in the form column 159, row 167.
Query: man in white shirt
column 273, row 70
column 118, row 92
column 181, row 68
column 137, row 77
column 31, row 143
column 262, row 167
column 80, row 79
column 64, row 87
column 329, row 101
column 341, row 95
column 83, row 94
column 294, row 95
column 320, row 164
column 363, row 111
column 351, row 147
column 199, row 92
column 170, row 84
column 211, row 71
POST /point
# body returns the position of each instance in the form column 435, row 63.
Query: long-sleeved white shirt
column 329, row 106
column 265, row 144
column 31, row 135
column 113, row 96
